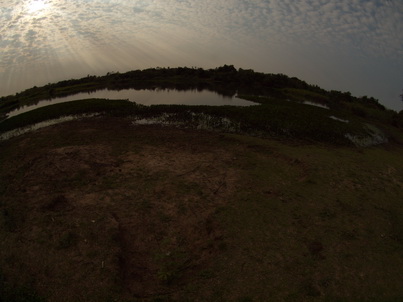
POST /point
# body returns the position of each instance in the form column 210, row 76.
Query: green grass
column 304, row 95
column 273, row 117
column 64, row 109
column 73, row 89
column 298, row 120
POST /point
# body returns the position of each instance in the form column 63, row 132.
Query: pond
column 147, row 97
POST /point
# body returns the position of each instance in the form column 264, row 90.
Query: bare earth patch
column 143, row 219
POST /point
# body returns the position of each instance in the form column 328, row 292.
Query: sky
column 345, row 45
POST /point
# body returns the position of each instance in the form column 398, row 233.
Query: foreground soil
column 103, row 210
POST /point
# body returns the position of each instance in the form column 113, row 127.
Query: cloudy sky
column 347, row 45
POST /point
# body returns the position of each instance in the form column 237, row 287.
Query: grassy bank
column 272, row 117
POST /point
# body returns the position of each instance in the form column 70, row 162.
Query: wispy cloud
column 373, row 27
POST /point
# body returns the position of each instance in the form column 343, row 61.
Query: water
column 19, row 131
column 373, row 136
column 312, row 104
column 147, row 97
column 339, row 119
column 316, row 104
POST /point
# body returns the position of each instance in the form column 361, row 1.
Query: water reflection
column 147, row 97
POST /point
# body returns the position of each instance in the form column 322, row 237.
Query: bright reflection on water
column 147, row 97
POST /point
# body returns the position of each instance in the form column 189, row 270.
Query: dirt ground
column 104, row 210
column 97, row 212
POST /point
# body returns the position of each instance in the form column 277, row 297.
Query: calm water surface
column 147, row 97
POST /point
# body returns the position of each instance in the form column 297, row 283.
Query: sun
column 37, row 6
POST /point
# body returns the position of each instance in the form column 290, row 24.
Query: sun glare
column 37, row 6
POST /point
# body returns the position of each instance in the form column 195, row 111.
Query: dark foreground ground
column 101, row 210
